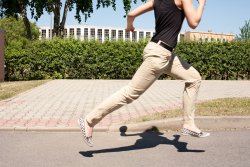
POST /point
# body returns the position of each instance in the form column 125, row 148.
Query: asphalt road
column 154, row 149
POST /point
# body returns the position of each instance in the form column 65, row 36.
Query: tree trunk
column 65, row 12
column 25, row 19
column 28, row 29
column 56, row 18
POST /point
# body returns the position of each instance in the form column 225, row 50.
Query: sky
column 221, row 16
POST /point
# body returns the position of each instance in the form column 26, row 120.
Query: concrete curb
column 173, row 124
column 208, row 123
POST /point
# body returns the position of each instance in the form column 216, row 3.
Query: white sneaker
column 186, row 131
column 87, row 140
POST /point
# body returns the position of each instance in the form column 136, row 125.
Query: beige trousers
column 157, row 61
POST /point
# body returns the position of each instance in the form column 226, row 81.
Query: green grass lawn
column 10, row 89
column 218, row 107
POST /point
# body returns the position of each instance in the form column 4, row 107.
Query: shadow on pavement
column 149, row 139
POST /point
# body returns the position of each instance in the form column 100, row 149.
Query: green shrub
column 73, row 59
column 218, row 60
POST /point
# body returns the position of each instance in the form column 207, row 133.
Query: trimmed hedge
column 73, row 59
column 218, row 60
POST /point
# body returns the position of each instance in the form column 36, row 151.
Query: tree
column 83, row 7
column 15, row 29
column 14, row 8
column 37, row 7
column 244, row 32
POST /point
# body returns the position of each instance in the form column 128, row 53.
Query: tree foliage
column 38, row 7
column 14, row 8
column 82, row 8
column 244, row 32
column 16, row 30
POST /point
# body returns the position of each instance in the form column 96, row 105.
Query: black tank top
column 168, row 19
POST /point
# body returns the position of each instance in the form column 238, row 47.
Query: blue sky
column 225, row 16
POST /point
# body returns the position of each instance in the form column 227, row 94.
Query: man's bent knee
column 194, row 81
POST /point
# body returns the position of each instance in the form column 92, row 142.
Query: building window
column 44, row 34
column 120, row 34
column 78, row 33
column 106, row 34
column 86, row 33
column 99, row 34
column 92, row 33
column 194, row 37
column 65, row 33
column 134, row 36
column 49, row 33
column 113, row 34
column 127, row 36
column 71, row 32
column 141, row 35
column 182, row 37
column 148, row 35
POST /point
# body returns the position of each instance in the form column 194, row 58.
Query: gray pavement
column 67, row 149
column 57, row 104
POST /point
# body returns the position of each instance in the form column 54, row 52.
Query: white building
column 87, row 32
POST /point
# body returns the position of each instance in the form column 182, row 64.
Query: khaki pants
column 157, row 60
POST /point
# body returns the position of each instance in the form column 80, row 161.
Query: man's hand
column 131, row 28
column 148, row 6
column 130, row 21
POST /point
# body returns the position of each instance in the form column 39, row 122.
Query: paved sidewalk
column 58, row 103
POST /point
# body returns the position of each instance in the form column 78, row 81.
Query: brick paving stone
column 59, row 103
